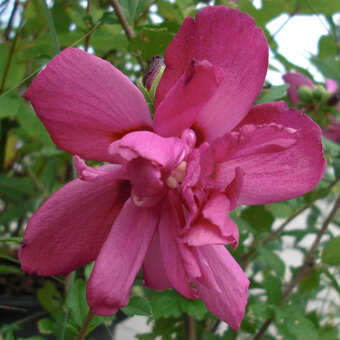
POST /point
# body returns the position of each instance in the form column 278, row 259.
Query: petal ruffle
column 219, row 269
column 166, row 152
column 153, row 267
column 179, row 109
column 80, row 214
column 286, row 165
column 120, row 258
column 213, row 226
column 85, row 103
column 229, row 40
column 172, row 252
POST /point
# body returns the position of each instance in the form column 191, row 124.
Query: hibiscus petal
column 278, row 169
column 171, row 252
column 80, row 214
column 120, row 258
column 331, row 85
column 167, row 152
column 192, row 91
column 85, row 103
column 229, row 40
column 214, row 226
column 295, row 80
column 219, row 268
column 153, row 267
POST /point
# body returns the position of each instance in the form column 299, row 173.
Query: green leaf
column 272, row 94
column 327, row 47
column 272, row 260
column 313, row 215
column 16, row 71
column 6, row 269
column 294, row 325
column 170, row 12
column 273, row 287
column 310, row 281
column 132, row 8
column 329, row 67
column 281, row 209
column 88, row 270
column 45, row 326
column 50, row 298
column 9, row 336
column 166, row 304
column 9, row 105
column 196, row 308
column 331, row 277
column 76, row 300
column 328, row 333
column 138, row 305
column 32, row 125
column 151, row 41
column 23, row 185
column 258, row 312
column 17, row 211
column 331, row 253
column 258, row 217
column 11, row 239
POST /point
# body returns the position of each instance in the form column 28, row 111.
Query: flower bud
column 320, row 94
column 305, row 94
column 156, row 64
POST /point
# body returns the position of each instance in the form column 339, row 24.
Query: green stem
column 51, row 27
column 11, row 239
column 88, row 319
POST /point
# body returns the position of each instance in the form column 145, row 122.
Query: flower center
column 177, row 175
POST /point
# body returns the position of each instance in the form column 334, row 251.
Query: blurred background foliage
column 288, row 299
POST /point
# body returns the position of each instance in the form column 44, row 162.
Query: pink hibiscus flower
column 163, row 202
column 296, row 80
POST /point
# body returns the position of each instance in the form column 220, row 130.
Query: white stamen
column 171, row 182
column 137, row 201
column 177, row 175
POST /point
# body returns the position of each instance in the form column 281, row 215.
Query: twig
column 89, row 25
column 191, row 328
column 10, row 21
column 121, row 17
column 10, row 55
column 130, row 33
column 88, row 319
column 304, row 269
column 245, row 258
column 145, row 11
column 51, row 27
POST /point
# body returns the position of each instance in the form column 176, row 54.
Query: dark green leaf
column 258, row 217
column 272, row 260
column 281, row 209
column 331, row 253
column 50, row 298
column 45, row 326
column 76, row 300
column 6, row 269
column 138, row 305
column 310, row 281
column 166, row 304
column 273, row 287
column 272, row 94
column 196, row 308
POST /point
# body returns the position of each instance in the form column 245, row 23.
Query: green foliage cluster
column 300, row 300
